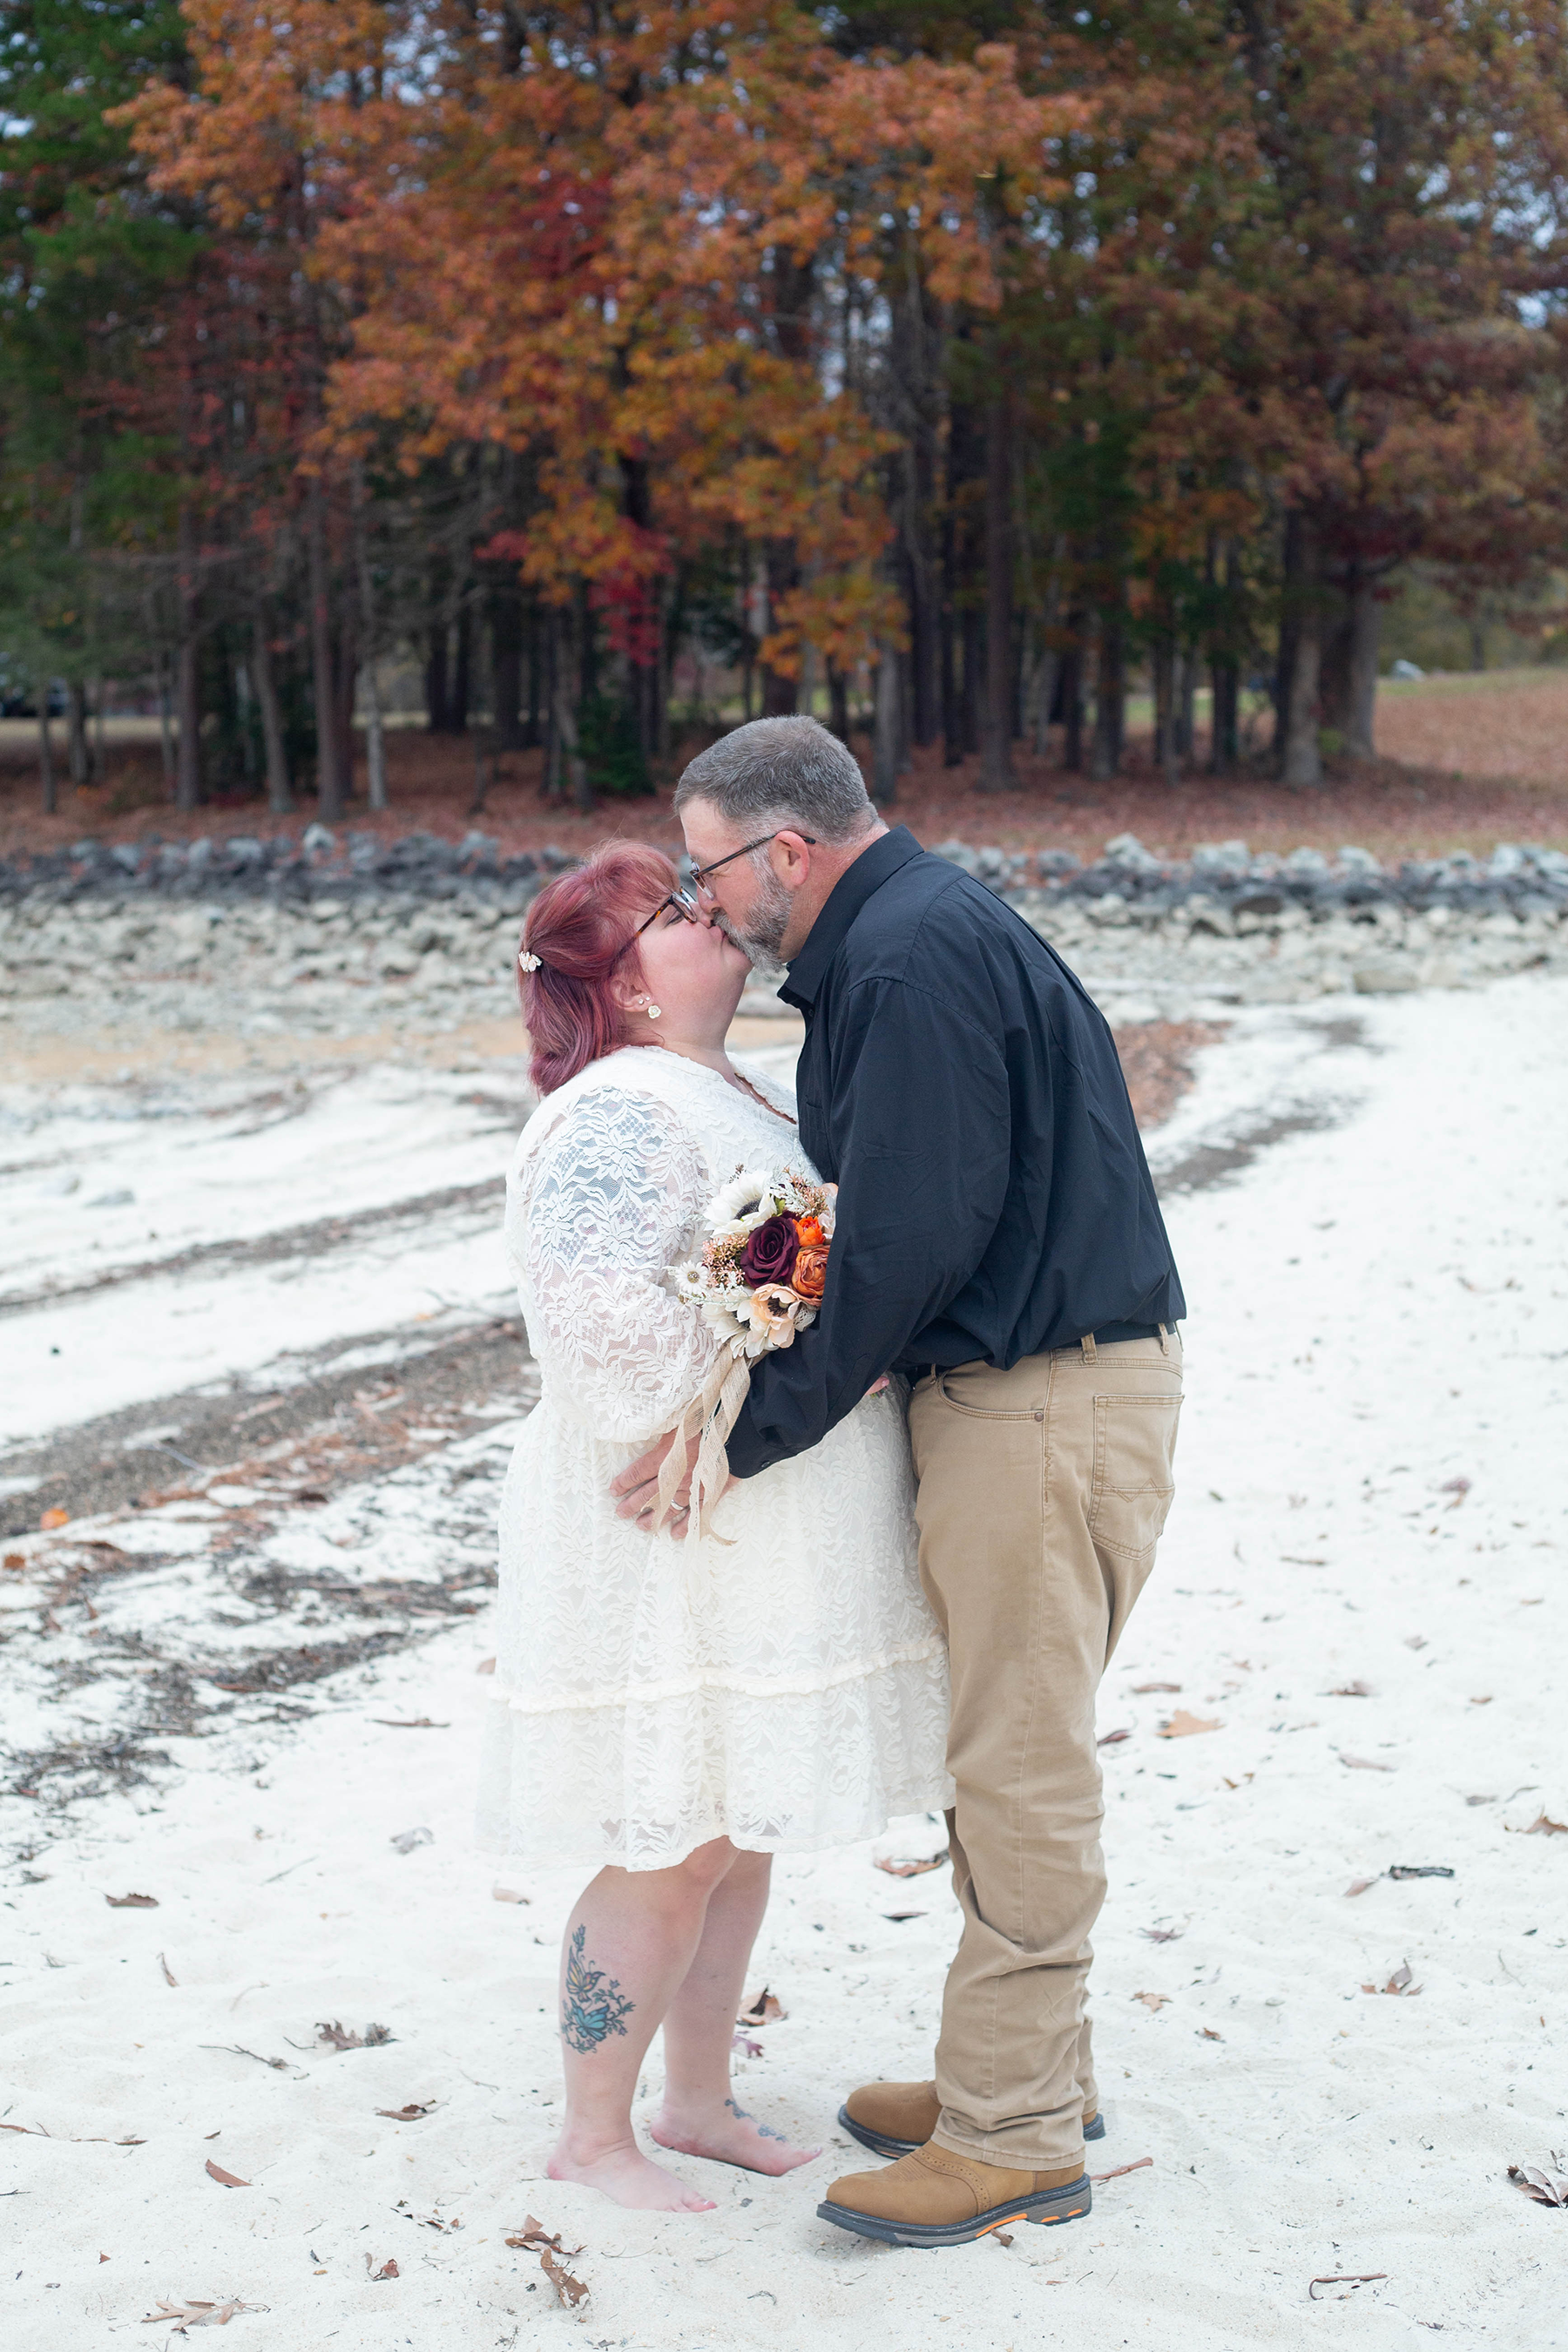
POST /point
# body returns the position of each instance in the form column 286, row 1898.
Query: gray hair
column 778, row 771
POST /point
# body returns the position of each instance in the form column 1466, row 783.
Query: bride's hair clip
column 528, row 962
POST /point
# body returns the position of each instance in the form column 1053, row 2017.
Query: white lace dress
column 786, row 1689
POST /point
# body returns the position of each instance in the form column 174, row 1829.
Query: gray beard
column 764, row 936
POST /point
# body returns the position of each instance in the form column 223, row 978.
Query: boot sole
column 1068, row 2204
column 881, row 2144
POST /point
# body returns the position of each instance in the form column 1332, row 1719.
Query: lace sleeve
column 611, row 1204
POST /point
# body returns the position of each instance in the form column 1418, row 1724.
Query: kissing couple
column 942, row 1500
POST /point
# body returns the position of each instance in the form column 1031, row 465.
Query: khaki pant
column 1043, row 1491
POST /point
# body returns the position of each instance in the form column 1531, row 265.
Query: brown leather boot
column 895, row 2118
column 937, row 2198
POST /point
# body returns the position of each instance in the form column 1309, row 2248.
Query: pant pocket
column 1134, row 1448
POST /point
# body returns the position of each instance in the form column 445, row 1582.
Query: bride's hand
column 636, row 1489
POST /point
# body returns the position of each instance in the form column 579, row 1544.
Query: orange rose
column 809, row 1232
column 810, row 1275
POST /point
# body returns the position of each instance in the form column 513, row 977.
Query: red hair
column 583, row 928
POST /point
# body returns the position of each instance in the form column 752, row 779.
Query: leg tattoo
column 593, row 2009
column 744, row 2114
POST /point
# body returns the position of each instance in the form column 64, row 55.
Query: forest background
column 951, row 367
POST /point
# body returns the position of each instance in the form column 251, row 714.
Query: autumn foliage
column 968, row 363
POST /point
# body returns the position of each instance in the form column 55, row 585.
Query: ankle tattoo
column 593, row 2008
column 745, row 2116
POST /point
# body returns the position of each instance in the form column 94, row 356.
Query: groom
column 999, row 1244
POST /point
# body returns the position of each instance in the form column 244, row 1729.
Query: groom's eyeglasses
column 700, row 873
column 679, row 902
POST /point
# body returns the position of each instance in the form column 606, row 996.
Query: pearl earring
column 654, row 1010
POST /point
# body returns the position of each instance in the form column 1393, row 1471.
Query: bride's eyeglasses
column 679, row 902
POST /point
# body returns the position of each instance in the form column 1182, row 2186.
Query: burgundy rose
column 769, row 1253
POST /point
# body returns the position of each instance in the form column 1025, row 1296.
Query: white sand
column 1378, row 1309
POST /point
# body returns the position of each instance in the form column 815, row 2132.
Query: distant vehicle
column 1402, row 668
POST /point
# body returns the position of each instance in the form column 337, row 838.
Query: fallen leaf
column 1543, row 1825
column 1365, row 1764
column 1162, row 1935
column 1420, row 1870
column 535, row 2239
column 1153, row 1999
column 182, row 2316
column 1352, row 1690
column 1208, row 2033
column 54, row 1518
column 766, row 2009
column 486, row 1666
column 339, row 2035
column 131, row 1901
column 1235, row 1784
column 229, row 2179
column 1141, row 1690
column 905, row 1869
column 416, row 1723
column 1111, row 1738
column 1399, row 1982
column 509, row 1895
column 169, row 1976
column 1547, row 2187
column 1118, row 2169
column 1181, row 1724
column 1458, row 1488
column 898, row 1917
column 1484, row 1701
column 388, row 2270
column 743, row 2046
column 16, row 1559
column 1343, row 2278
column 1360, row 1885
column 411, row 2113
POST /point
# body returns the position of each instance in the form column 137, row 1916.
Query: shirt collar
column 857, row 883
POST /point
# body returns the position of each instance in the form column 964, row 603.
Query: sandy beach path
column 1357, row 1635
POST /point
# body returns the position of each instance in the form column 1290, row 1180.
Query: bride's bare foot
column 728, row 2134
column 625, row 2174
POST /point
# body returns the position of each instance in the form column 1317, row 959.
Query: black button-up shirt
column 965, row 1093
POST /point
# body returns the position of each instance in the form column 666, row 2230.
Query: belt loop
column 1087, row 1344
column 1165, row 1340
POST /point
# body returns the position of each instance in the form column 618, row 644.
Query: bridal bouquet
column 758, row 1279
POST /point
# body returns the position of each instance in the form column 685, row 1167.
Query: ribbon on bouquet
column 709, row 1417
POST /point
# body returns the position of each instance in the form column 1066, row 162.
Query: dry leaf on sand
column 181, row 2315
column 338, row 2034
column 1208, row 2033
column 131, row 1901
column 1399, row 1982
column 1548, row 2186
column 414, row 1723
column 229, row 2179
column 1141, row 1690
column 509, row 1895
column 1117, row 2170
column 744, row 2047
column 1544, row 1826
column 1162, row 1935
column 766, row 2009
column 1342, row 2278
column 54, row 1518
column 486, row 1666
column 911, row 1869
column 411, row 2113
column 1153, row 1999
column 1352, row 1690
column 1364, row 1764
column 1360, row 1885
column 1181, row 1725
column 535, row 2239
column 1111, row 1738
column 169, row 1976
column 388, row 2270
column 1420, row 1870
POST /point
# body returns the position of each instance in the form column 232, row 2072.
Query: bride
column 675, row 1714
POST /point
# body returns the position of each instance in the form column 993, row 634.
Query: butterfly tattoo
column 593, row 2008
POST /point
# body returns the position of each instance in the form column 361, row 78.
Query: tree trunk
column 554, row 792
column 1367, row 628
column 279, row 799
column 75, row 733
column 1302, row 766
column 1223, row 745
column 1167, row 751
column 165, row 725
column 1105, row 756
column 536, row 695
column 947, row 649
column 972, row 634
column 566, row 679
column 462, row 673
column 1072, row 704
column 187, row 697
column 346, row 675
column 885, row 753
column 779, row 694
column 374, row 728
column 996, row 771
column 506, row 667
column 838, row 703
column 437, row 684
column 46, row 752
column 329, row 768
